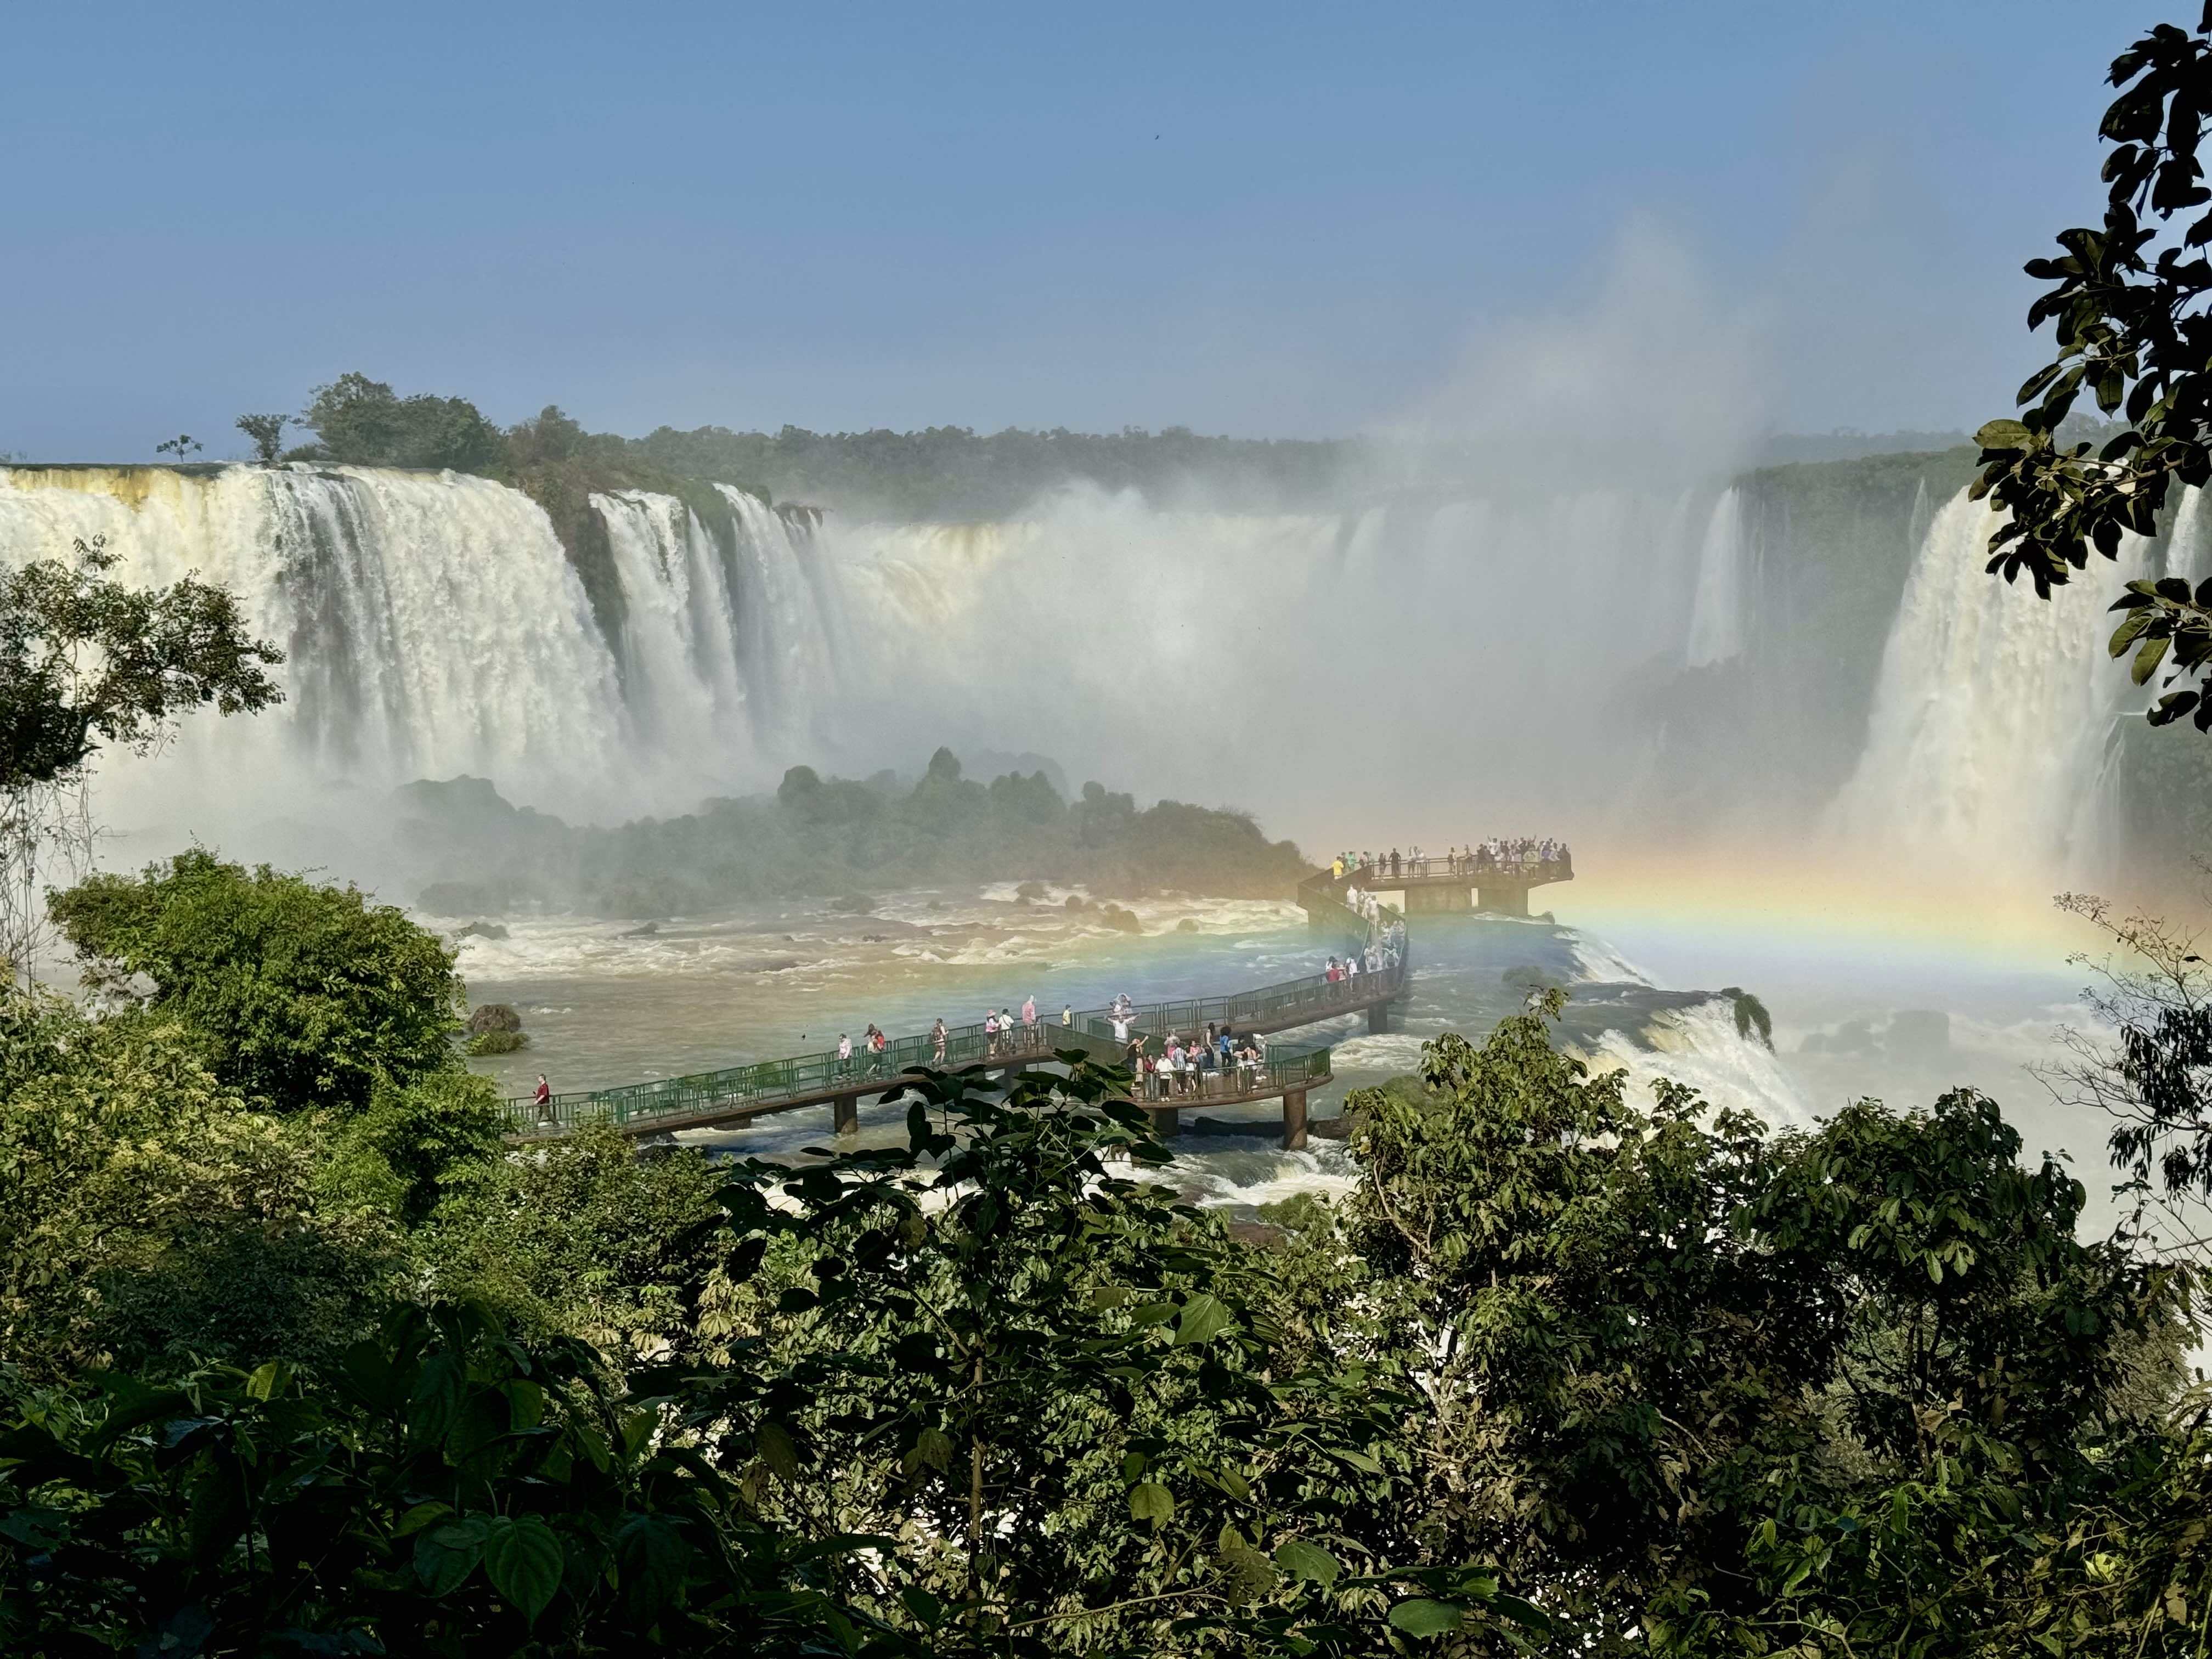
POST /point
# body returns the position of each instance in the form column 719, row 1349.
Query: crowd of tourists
column 1221, row 1063
column 1500, row 855
column 1381, row 955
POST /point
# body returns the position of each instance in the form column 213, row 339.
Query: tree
column 365, row 422
column 267, row 432
column 150, row 1219
column 2147, row 1065
column 180, row 446
column 440, row 1489
column 301, row 993
column 1705, row 1390
column 87, row 661
column 2129, row 300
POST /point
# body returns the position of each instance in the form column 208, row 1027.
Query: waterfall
column 1718, row 605
column 1994, row 716
column 682, row 683
column 434, row 625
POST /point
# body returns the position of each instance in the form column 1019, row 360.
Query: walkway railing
column 1279, row 1071
column 768, row 1085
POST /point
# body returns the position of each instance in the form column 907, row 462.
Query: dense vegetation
column 315, row 1368
column 832, row 837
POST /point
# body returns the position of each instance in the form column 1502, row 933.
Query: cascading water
column 1717, row 609
column 434, row 625
column 1994, row 716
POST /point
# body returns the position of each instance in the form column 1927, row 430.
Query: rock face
column 482, row 930
column 493, row 1017
column 498, row 1042
column 1115, row 916
column 645, row 932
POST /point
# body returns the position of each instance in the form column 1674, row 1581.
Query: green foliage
column 839, row 837
column 953, row 473
column 1751, row 1016
column 182, row 445
column 86, row 660
column 2128, row 300
column 585, row 1237
column 497, row 1042
column 302, row 993
column 266, row 433
column 440, row 1136
column 443, row 1490
column 1728, row 1393
column 364, row 422
column 148, row 1215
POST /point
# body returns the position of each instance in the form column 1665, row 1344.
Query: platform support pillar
column 1294, row 1120
column 845, row 1114
column 1378, row 1017
column 1167, row 1121
column 1505, row 900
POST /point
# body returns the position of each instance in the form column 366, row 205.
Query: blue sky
column 1276, row 220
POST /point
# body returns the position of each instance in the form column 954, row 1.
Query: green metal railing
column 740, row 1091
column 1278, row 1071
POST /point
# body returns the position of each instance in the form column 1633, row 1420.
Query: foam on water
column 1700, row 1047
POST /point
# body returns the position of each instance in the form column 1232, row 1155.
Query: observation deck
column 1459, row 885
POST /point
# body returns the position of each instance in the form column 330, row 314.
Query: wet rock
column 646, row 932
column 482, row 930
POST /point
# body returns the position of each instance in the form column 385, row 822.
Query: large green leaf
column 522, row 1558
column 1203, row 1318
column 1308, row 1561
column 445, row 1556
column 1151, row 1502
column 1423, row 1617
column 650, row 1556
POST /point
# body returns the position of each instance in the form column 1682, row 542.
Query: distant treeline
column 953, row 473
column 832, row 837
column 945, row 472
column 940, row 473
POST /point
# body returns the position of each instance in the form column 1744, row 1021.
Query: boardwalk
column 738, row 1094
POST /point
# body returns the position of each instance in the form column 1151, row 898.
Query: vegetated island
column 482, row 855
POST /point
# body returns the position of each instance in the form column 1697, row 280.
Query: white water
column 436, row 627
column 433, row 626
column 1700, row 1047
column 1460, row 657
column 1719, row 611
column 1993, row 717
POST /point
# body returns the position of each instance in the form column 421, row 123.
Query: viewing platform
column 1461, row 885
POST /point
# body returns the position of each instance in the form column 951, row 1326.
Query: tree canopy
column 301, row 994
column 2128, row 299
column 85, row 660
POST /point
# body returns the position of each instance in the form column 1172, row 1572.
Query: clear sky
column 1270, row 218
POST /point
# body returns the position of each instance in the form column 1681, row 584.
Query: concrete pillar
column 1505, row 901
column 1294, row 1120
column 845, row 1114
column 1378, row 1017
column 1438, row 901
column 1167, row 1121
